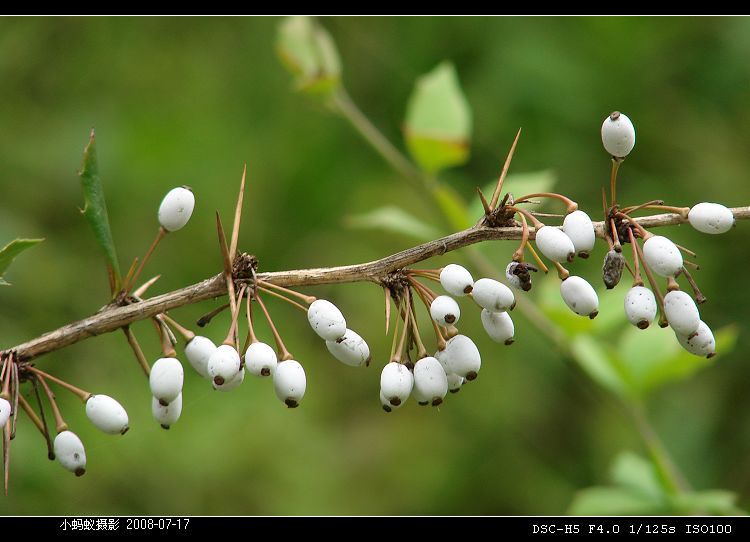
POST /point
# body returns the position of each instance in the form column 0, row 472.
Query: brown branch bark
column 111, row 318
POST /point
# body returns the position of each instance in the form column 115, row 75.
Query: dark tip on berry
column 165, row 427
column 339, row 340
column 162, row 402
column 51, row 456
column 583, row 254
column 437, row 401
column 712, row 354
column 265, row 371
column 80, row 471
column 471, row 375
column 387, row 408
column 508, row 342
column 643, row 324
column 571, row 256
column 186, row 187
column 609, row 285
column 526, row 286
column 513, row 306
column 664, row 324
column 291, row 403
column 450, row 318
column 615, row 115
column 367, row 361
column 423, row 403
column 455, row 390
column 468, row 289
column 219, row 380
column 593, row 315
column 409, row 365
column 125, row 430
column 395, row 401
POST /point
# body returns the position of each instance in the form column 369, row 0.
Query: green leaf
column 453, row 207
column 438, row 120
column 309, row 53
column 598, row 363
column 95, row 209
column 630, row 470
column 395, row 220
column 615, row 501
column 517, row 184
column 717, row 502
column 9, row 252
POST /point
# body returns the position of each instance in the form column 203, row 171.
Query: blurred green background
column 189, row 101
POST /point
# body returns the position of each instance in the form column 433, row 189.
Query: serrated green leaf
column 95, row 208
column 517, row 184
column 393, row 219
column 630, row 470
column 9, row 252
column 453, row 207
column 438, row 120
column 309, row 53
column 615, row 501
column 712, row 501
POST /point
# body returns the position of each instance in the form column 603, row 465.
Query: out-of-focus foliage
column 188, row 101
column 9, row 252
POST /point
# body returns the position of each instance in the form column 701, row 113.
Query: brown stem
column 32, row 415
column 647, row 205
column 60, row 424
column 133, row 342
column 305, row 298
column 204, row 320
column 185, row 332
column 227, row 260
column 231, row 339
column 518, row 254
column 613, row 179
column 81, row 394
column 435, row 327
column 506, row 165
column 534, row 220
column 421, row 350
column 637, row 280
column 47, row 436
column 394, row 340
column 537, row 258
column 699, row 297
column 115, row 317
column 159, row 236
column 561, row 271
column 570, row 204
column 654, row 287
column 283, row 298
column 283, row 352
column 398, row 356
column 167, row 348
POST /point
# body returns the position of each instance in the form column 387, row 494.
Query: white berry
column 711, row 218
column 578, row 226
column 326, row 320
column 662, row 256
column 618, row 135
column 580, row 296
column 420, row 397
column 229, row 385
column 70, row 453
column 396, row 382
column 224, row 364
column 289, row 382
column 176, row 208
column 640, row 306
column 444, row 310
column 555, row 244
column 166, row 415
column 493, row 295
column 462, row 357
column 701, row 343
column 166, row 379
column 351, row 349
column 260, row 359
column 197, row 351
column 107, row 414
column 5, row 409
column 455, row 382
column 499, row 326
column 456, row 280
column 386, row 404
column 681, row 312
column 430, row 380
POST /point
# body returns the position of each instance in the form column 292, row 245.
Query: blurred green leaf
column 95, row 208
column 615, row 501
column 518, row 184
column 453, row 207
column 599, row 364
column 9, row 252
column 630, row 470
column 712, row 501
column 393, row 219
column 309, row 53
column 438, row 120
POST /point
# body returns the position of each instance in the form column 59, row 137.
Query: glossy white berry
column 224, row 364
column 197, row 351
column 232, row 384
column 499, row 326
column 456, row 280
column 386, row 404
column 176, row 208
column 289, row 382
column 618, row 135
column 662, row 256
column 260, row 359
column 107, row 414
column 351, row 349
column 166, row 379
column 700, row 342
column 580, row 296
column 4, row 412
column 681, row 312
column 554, row 244
column 444, row 310
column 326, row 320
column 493, row 295
column 711, row 218
column 455, row 382
column 420, row 397
column 640, row 306
column 461, row 356
column 166, row 415
column 396, row 382
column 578, row 226
column 430, row 380
column 70, row 453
